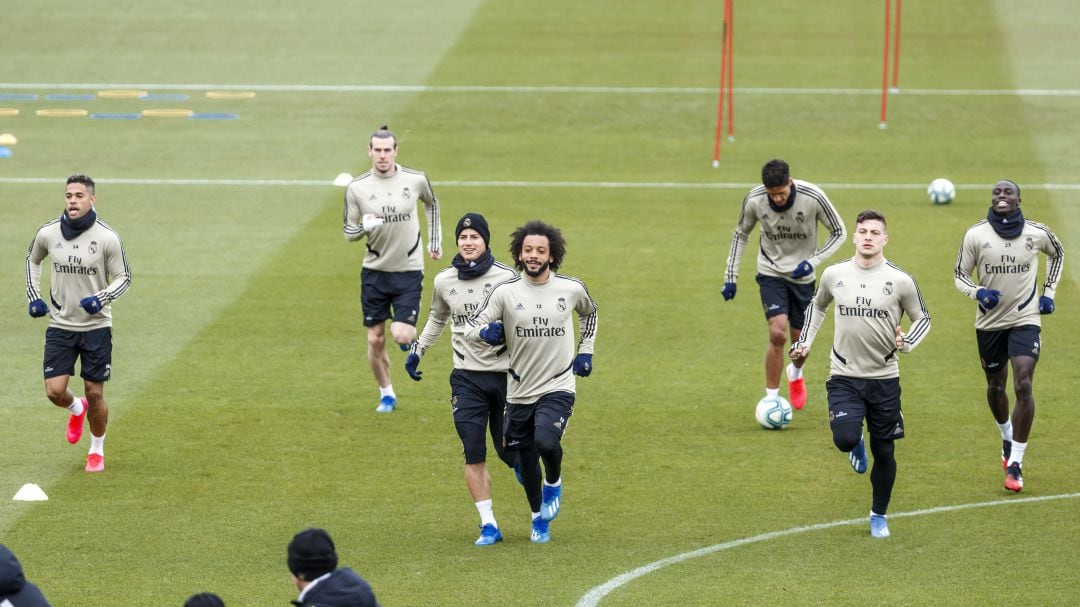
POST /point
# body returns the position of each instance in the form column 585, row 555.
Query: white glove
column 371, row 222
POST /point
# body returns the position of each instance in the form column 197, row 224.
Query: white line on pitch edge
column 593, row 596
column 615, row 185
column 619, row 90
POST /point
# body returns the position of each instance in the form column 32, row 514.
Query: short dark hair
column 556, row 242
column 83, row 179
column 1015, row 185
column 775, row 173
column 869, row 214
column 383, row 132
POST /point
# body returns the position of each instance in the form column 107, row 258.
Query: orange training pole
column 723, row 78
column 885, row 67
column 731, row 68
column 896, row 50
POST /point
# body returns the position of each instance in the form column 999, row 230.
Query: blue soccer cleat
column 1006, row 451
column 489, row 534
column 857, row 457
column 549, row 509
column 386, row 404
column 540, row 531
column 879, row 527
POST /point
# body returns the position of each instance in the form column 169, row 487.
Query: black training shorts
column 552, row 410
column 878, row 400
column 996, row 347
column 477, row 400
column 381, row 291
column 94, row 347
column 779, row 296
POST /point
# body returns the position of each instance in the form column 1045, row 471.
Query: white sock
column 772, row 392
column 76, row 406
column 1017, row 453
column 1006, row 430
column 387, row 391
column 97, row 444
column 487, row 517
column 557, row 483
column 793, row 372
column 872, row 513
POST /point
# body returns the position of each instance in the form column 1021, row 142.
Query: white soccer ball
column 941, row 191
column 773, row 412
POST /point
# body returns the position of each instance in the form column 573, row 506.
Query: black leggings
column 883, row 473
column 547, row 446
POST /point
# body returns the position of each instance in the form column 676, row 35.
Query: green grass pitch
column 242, row 405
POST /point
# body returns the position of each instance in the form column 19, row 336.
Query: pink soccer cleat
column 797, row 392
column 95, row 463
column 75, row 424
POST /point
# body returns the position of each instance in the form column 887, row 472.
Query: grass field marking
column 534, row 89
column 593, row 596
column 615, row 185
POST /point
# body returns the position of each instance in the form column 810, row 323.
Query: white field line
column 593, row 597
column 614, row 185
column 616, row 90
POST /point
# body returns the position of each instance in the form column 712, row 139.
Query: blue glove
column 91, row 304
column 805, row 268
column 728, row 291
column 410, row 366
column 493, row 333
column 583, row 365
column 1046, row 305
column 39, row 309
column 989, row 298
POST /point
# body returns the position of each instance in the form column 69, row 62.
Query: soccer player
column 89, row 272
column 532, row 314
column 478, row 381
column 789, row 211
column 1003, row 252
column 381, row 204
column 871, row 296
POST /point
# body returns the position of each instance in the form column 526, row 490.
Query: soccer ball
column 773, row 412
column 941, row 191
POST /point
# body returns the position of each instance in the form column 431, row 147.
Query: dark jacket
column 13, row 585
column 344, row 588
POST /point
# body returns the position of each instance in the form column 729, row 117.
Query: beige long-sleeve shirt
column 869, row 304
column 1009, row 266
column 788, row 237
column 396, row 245
column 538, row 322
column 454, row 301
column 93, row 263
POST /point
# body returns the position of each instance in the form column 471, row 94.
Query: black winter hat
column 476, row 222
column 204, row 599
column 311, row 554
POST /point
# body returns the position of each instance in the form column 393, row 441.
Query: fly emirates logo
column 541, row 327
